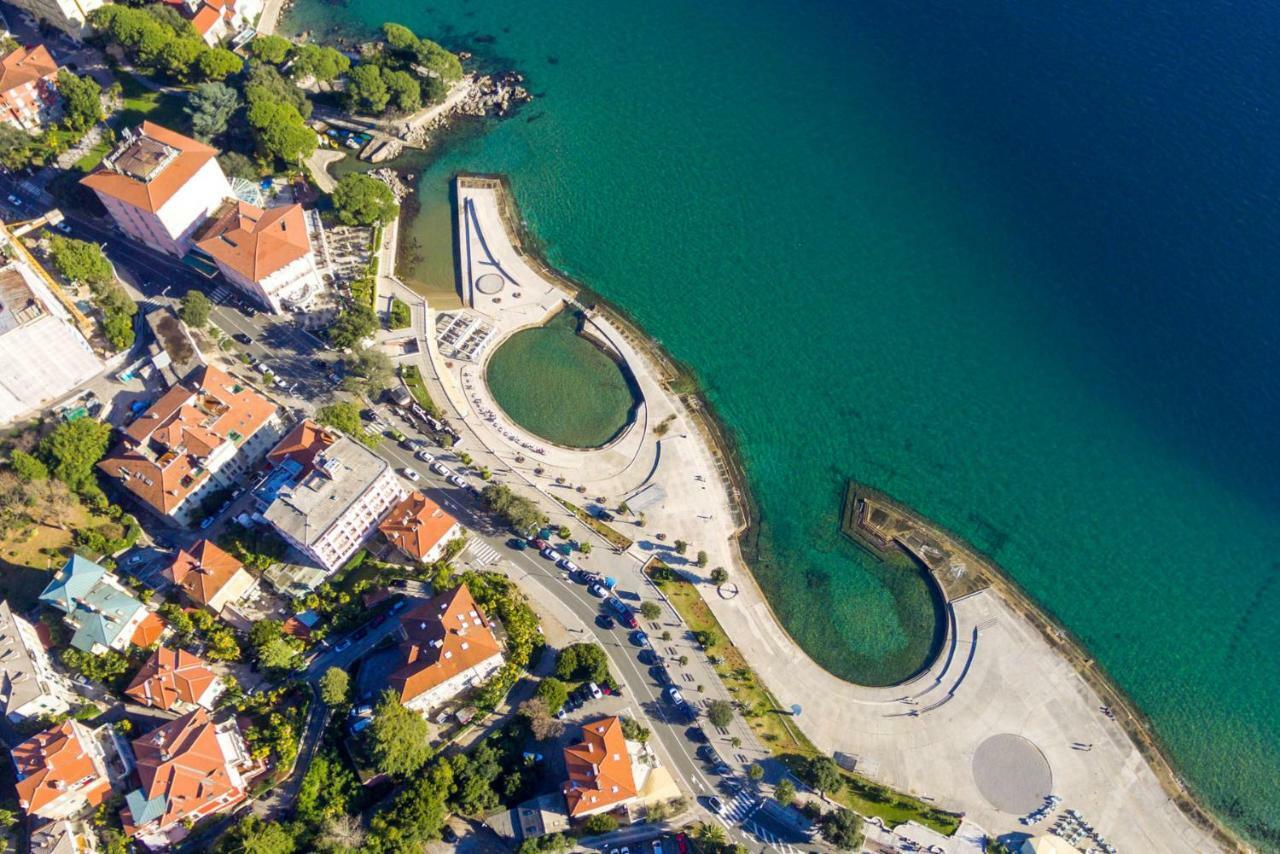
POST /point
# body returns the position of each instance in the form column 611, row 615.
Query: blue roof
column 308, row 618
column 143, row 810
column 76, row 578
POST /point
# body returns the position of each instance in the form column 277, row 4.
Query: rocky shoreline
column 477, row 96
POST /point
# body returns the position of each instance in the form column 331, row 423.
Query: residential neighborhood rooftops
column 171, row 677
column 203, row 571
column 338, row 472
column 444, row 636
column 51, row 762
column 599, row 768
column 25, row 64
column 149, row 166
column 95, row 603
column 417, row 525
column 255, row 242
column 20, row 678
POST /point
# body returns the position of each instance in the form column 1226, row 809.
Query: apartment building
column 62, row 772
column 28, row 88
column 189, row 768
column 175, row 680
column 29, row 686
column 70, row 16
column 326, row 493
column 420, row 529
column 601, row 778
column 102, row 613
column 447, row 648
column 160, row 186
column 267, row 254
column 197, row 438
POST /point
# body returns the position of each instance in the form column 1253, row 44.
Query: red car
column 682, row 842
column 540, row 544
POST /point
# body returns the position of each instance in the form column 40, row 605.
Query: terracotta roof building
column 209, row 576
column 159, row 186
column 216, row 20
column 175, row 680
column 419, row 528
column 326, row 494
column 189, row 768
column 62, row 772
column 265, row 253
column 28, row 90
column 447, row 648
column 197, row 438
column 599, row 769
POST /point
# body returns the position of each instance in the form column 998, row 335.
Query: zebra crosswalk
column 742, row 807
column 768, row 838
column 482, row 552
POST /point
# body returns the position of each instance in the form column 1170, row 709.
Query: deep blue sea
column 1015, row 264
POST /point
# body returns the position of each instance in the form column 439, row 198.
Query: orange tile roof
column 161, row 457
column 302, row 444
column 417, row 525
column 148, row 631
column 52, row 763
column 599, row 768
column 151, row 195
column 253, row 242
column 203, row 571
column 444, row 637
column 205, row 19
column 171, row 676
column 183, row 763
column 25, row 64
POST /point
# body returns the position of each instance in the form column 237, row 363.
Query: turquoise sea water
column 1014, row 264
column 560, row 386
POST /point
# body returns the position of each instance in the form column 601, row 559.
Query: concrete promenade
column 996, row 674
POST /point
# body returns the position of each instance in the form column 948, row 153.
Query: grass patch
column 413, row 381
column 93, row 157
column 616, row 539
column 400, row 316
column 769, row 721
column 143, row 104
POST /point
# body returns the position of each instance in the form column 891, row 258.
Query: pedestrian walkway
column 741, row 808
column 482, row 552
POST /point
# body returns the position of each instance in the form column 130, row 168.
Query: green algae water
column 558, row 385
column 1012, row 264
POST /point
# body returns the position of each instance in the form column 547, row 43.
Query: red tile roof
column 148, row 631
column 417, row 525
column 54, row 762
column 151, row 195
column 182, row 762
column 445, row 636
column 203, row 571
column 253, row 242
column 302, row 445
column 25, row 64
column 171, row 676
column 599, row 768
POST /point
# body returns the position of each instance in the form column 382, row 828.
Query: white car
column 456, row 481
column 411, row 474
column 440, row 468
column 425, row 457
column 15, row 201
column 596, row 590
column 595, row 690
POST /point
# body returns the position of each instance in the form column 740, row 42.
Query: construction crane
column 9, row 234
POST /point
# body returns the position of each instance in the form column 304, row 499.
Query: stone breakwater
column 477, row 96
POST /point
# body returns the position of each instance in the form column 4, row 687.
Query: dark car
column 400, row 583
column 604, row 516
column 449, row 834
column 319, row 364
column 648, row 656
column 361, row 633
column 604, row 621
column 707, row 753
column 629, row 620
column 380, row 619
column 696, row 733
column 517, row 544
column 242, row 338
column 659, row 674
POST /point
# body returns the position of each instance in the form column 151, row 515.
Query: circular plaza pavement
column 1012, row 773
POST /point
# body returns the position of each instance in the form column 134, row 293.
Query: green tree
column 553, row 692
column 406, row 94
column 710, row 834
column 179, row 57
column 236, row 165
column 80, row 261
column 516, row 510
column 361, row 200
column 17, row 148
column 211, row 107
column 254, row 835
column 441, row 63
column 650, row 610
column 398, row 738
column 335, row 685
column 195, row 309
column 755, row 771
column 367, row 89
column 263, row 632
column 415, row 816
column 279, row 654
column 272, row 49
column 843, row 829
column 600, row 823
column 681, row 547
column 633, row 731
column 720, row 713
column 583, row 662
column 552, row 843
column 73, row 449
column 218, row 64
column 785, row 792
column 369, row 372
column 345, row 416
column 400, row 37
column 81, row 101
column 265, row 83
column 178, row 619
column 27, row 467
column 356, row 323
column 322, row 63
column 719, row 576
column 824, row 775
column 8, row 818
column 327, row 791
column 702, row 559
column 280, row 131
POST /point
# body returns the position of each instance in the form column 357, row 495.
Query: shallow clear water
column 1013, row 264
column 558, row 385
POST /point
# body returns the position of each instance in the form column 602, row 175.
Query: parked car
column 361, row 633
column 639, row 638
column 439, row 468
column 15, row 201
column 697, row 733
column 410, row 474
column 64, row 227
column 596, row 590
column 674, row 696
column 660, row 675
column 361, row 725
column 425, row 456
column 549, row 554
column 596, row 693
column 242, row 338
column 455, row 481
column 539, row 543
column 342, row 645
column 565, row 563
column 604, row 621
column 706, row 753
column 517, row 544
column 629, row 620
column 714, row 804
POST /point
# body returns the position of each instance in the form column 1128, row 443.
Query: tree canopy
column 211, row 107
column 280, row 130
column 79, row 260
column 335, row 685
column 271, row 48
column 254, row 835
column 354, row 324
column 366, row 90
column 843, row 829
column 73, row 449
column 322, row 63
column 195, row 309
column 369, row 371
column 720, row 713
column 361, row 200
column 81, row 101
column 345, row 416
column 398, row 737
column 516, row 510
column 553, row 692
column 583, row 662
column 218, row 64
